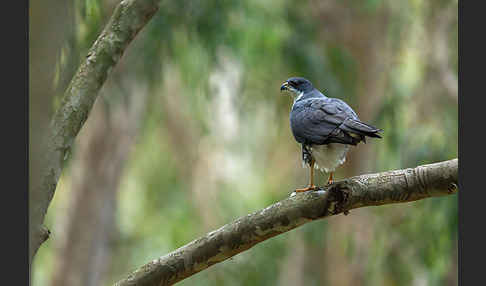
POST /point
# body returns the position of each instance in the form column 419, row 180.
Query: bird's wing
column 321, row 121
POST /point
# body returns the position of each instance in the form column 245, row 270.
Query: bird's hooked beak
column 285, row 86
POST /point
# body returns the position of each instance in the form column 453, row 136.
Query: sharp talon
column 309, row 188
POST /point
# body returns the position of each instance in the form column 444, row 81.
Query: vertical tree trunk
column 45, row 41
column 83, row 251
column 127, row 20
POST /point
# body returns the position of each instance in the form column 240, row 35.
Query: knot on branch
column 338, row 198
column 452, row 188
column 44, row 233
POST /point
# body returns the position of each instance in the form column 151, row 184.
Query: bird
column 325, row 127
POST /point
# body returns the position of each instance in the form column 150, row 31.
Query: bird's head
column 297, row 86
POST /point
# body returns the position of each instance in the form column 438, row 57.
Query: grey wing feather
column 323, row 121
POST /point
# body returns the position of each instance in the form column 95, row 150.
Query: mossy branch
column 128, row 18
column 390, row 187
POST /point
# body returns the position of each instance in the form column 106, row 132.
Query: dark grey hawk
column 325, row 127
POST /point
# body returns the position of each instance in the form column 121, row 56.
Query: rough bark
column 129, row 17
column 389, row 187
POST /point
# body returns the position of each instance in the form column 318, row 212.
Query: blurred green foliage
column 185, row 180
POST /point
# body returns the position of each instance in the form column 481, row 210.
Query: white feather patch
column 329, row 157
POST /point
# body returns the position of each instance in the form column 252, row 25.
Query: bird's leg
column 312, row 174
column 306, row 155
column 311, row 186
column 330, row 181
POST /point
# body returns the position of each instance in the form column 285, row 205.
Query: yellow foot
column 309, row 188
column 330, row 181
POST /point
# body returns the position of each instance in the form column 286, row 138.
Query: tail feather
column 360, row 128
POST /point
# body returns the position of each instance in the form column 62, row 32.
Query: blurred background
column 190, row 132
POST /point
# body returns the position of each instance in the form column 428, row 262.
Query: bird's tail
column 360, row 128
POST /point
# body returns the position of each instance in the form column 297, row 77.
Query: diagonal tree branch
column 389, row 187
column 129, row 17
